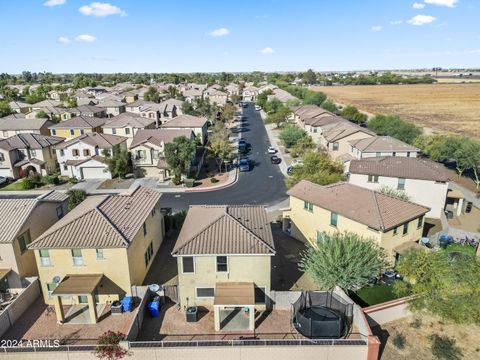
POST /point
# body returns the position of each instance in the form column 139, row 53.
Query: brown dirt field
column 453, row 108
column 418, row 344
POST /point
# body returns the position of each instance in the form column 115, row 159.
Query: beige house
column 224, row 263
column 215, row 96
column 97, row 252
column 148, row 149
column 304, row 112
column 396, row 225
column 161, row 112
column 381, row 146
column 22, row 220
column 17, row 124
column 189, row 122
column 25, row 153
column 83, row 110
column 112, row 107
column 127, row 124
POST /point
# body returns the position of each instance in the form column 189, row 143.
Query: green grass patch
column 466, row 249
column 15, row 186
column 372, row 295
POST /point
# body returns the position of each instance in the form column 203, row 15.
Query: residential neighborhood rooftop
column 381, row 143
column 157, row 136
column 128, row 119
column 102, row 141
column 186, row 121
column 80, row 122
column 29, row 140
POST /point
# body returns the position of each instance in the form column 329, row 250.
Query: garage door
column 95, row 173
column 5, row 172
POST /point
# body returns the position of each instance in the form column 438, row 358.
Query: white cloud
column 420, row 20
column 98, row 9
column 63, row 40
column 267, row 50
column 376, row 28
column 219, row 32
column 477, row 51
column 448, row 3
column 418, row 5
column 85, row 38
column 396, row 22
column 51, row 3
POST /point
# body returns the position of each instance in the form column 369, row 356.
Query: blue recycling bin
column 153, row 308
column 127, row 303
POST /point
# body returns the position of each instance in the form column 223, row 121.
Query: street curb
column 208, row 189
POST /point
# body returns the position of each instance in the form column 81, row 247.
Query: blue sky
column 223, row 35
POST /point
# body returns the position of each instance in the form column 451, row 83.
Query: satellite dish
column 56, row 279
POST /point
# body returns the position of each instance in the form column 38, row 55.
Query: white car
column 258, row 108
column 272, row 150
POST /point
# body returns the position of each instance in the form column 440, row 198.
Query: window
column 378, row 154
column 77, row 257
column 153, row 212
column 82, row 131
column 127, row 131
column 72, row 132
column 60, row 212
column 65, row 167
column 307, row 206
column 222, row 264
column 394, row 154
column 405, row 229
column 315, row 129
column 50, row 288
column 401, row 184
column 395, row 230
column 100, row 254
column 24, row 240
column 54, row 132
column 320, row 236
column 333, row 219
column 335, row 146
column 148, row 254
column 114, row 131
column 260, row 295
column 5, row 133
column 86, row 152
column 33, row 153
column 144, row 229
column 141, row 154
column 2, row 157
column 420, row 222
column 408, row 153
column 373, row 178
column 83, row 299
column 45, row 258
column 205, row 292
column 75, row 152
column 188, row 265
column 62, row 152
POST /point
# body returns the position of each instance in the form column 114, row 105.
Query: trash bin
column 127, row 303
column 154, row 307
column 192, row 314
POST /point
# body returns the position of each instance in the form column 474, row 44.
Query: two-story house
column 215, row 96
column 84, row 110
column 424, row 181
column 199, row 125
column 112, row 107
column 224, row 263
column 148, row 149
column 23, row 154
column 250, row 93
column 381, row 146
column 394, row 224
column 99, row 250
column 127, row 124
column 17, row 124
column 83, row 157
column 22, row 220
column 77, row 126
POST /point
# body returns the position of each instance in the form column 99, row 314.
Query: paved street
column 262, row 185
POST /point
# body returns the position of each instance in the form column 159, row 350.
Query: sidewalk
column 286, row 159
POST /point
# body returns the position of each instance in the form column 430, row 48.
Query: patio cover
column 406, row 247
column 234, row 293
column 78, row 284
column 455, row 194
column 4, row 272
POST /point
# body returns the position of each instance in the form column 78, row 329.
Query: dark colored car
column 242, row 145
column 275, row 159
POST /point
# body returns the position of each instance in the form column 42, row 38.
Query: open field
column 451, row 108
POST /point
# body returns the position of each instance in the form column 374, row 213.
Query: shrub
column 444, row 347
column 51, row 179
column 214, row 180
column 416, row 324
column 290, row 135
column 27, row 183
column 73, row 180
column 108, row 346
column 75, row 197
column 399, row 341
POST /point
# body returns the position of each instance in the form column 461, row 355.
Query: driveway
column 89, row 185
column 262, row 185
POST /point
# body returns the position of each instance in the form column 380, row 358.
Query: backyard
column 373, row 295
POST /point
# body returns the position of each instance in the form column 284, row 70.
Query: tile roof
column 381, row 143
column 400, row 167
column 310, row 111
column 376, row 210
column 158, row 136
column 108, row 221
column 343, row 129
column 15, row 211
column 19, row 122
column 129, row 119
column 80, row 122
column 29, row 140
column 110, row 102
column 186, row 121
column 222, row 229
column 103, row 141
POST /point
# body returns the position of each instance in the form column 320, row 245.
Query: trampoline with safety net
column 322, row 315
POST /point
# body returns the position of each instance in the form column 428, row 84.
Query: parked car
column 272, row 150
column 245, row 105
column 3, row 180
column 244, row 165
column 258, row 108
column 242, row 145
column 275, row 159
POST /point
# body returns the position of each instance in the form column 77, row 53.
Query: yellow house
column 77, row 126
column 395, row 224
column 98, row 251
column 127, row 124
column 224, row 262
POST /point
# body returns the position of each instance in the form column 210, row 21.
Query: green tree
column 392, row 125
column 318, row 168
column 444, row 283
column 178, row 155
column 227, row 113
column 262, row 98
column 290, row 135
column 41, row 115
column 151, row 95
column 345, row 260
column 314, row 98
column 351, row 113
column 309, row 77
column 75, row 197
column 5, row 109
column 222, row 150
column 329, row 105
column 303, row 145
column 278, row 117
column 119, row 163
